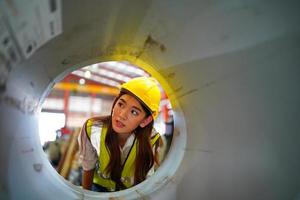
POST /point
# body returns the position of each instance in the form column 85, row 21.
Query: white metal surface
column 233, row 67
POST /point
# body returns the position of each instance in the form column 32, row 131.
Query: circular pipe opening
column 174, row 156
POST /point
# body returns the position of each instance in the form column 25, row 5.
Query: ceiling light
column 82, row 81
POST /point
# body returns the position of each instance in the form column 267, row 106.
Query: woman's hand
column 87, row 179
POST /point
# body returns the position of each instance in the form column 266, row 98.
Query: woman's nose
column 124, row 113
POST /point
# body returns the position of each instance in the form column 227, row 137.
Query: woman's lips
column 119, row 124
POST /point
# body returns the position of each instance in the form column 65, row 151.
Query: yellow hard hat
column 146, row 90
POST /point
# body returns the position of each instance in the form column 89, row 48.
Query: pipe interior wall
column 233, row 68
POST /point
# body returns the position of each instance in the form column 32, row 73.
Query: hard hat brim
column 140, row 100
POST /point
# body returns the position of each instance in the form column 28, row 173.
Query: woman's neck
column 122, row 138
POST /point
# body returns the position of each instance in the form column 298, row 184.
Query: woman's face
column 127, row 115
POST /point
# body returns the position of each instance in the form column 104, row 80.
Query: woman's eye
column 120, row 104
column 134, row 112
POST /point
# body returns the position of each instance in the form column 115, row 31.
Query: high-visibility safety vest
column 127, row 175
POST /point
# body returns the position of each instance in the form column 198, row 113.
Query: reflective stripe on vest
column 127, row 176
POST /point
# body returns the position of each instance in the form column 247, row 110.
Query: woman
column 121, row 150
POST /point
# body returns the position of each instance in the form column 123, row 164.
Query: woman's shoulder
column 154, row 132
column 97, row 121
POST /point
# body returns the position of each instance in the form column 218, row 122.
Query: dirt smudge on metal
column 27, row 150
column 26, row 106
column 65, row 61
column 208, row 84
column 171, row 75
column 38, row 167
column 142, row 195
column 31, row 84
column 178, row 89
column 150, row 42
column 187, row 93
column 198, row 150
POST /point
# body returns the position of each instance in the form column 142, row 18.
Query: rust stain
column 151, row 42
column 171, row 75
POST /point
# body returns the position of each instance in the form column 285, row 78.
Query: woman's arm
column 87, row 179
column 88, row 157
column 158, row 152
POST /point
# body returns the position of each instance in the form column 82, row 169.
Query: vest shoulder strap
column 104, row 156
column 154, row 138
column 94, row 121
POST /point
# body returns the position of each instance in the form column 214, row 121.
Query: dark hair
column 144, row 158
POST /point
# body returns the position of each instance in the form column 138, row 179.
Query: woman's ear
column 146, row 121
